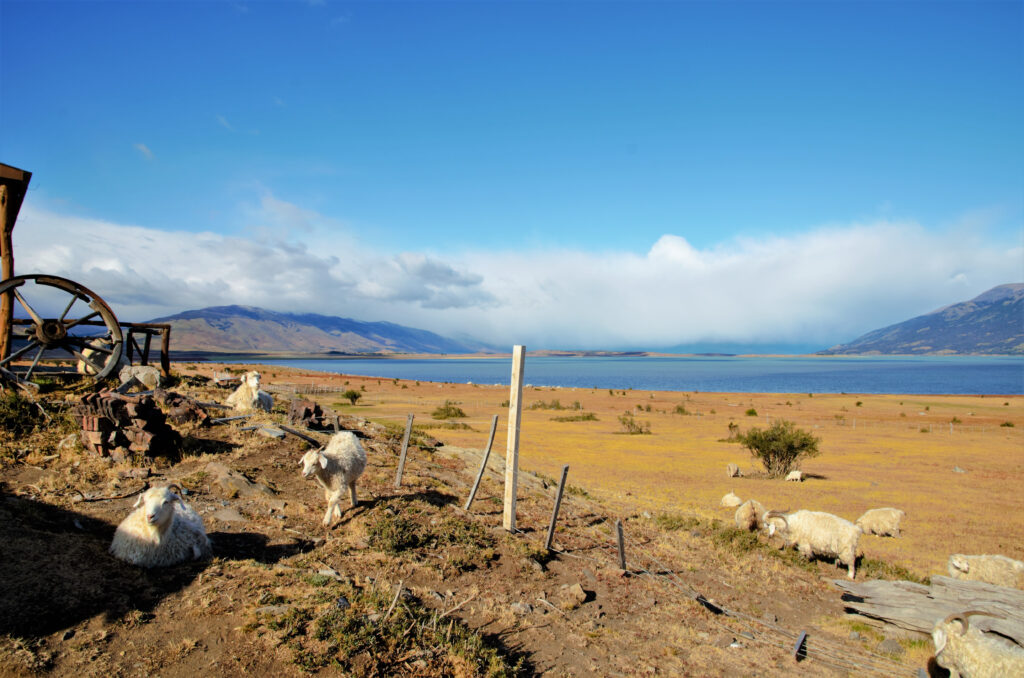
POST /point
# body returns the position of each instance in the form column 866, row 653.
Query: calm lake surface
column 725, row 374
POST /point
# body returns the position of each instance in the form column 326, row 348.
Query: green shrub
column 780, row 447
column 632, row 426
column 450, row 410
column 751, row 412
column 352, row 396
column 1007, row 424
column 18, row 414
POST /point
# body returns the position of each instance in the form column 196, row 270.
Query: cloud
column 820, row 287
column 144, row 150
column 224, row 123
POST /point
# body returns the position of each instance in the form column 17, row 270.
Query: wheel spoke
column 74, row 298
column 87, row 361
column 82, row 319
column 20, row 352
column 28, row 374
column 29, row 309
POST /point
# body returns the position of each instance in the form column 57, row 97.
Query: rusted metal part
column 122, row 426
column 181, row 408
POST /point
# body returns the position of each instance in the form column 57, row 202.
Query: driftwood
column 915, row 607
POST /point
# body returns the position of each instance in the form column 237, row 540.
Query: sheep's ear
column 323, row 461
column 138, row 502
column 939, row 638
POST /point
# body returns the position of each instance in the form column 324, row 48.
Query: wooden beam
column 515, row 413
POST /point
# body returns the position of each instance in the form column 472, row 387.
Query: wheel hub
column 50, row 332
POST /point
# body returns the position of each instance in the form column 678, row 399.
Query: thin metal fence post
column 622, row 547
column 405, row 449
column 483, row 464
column 554, row 513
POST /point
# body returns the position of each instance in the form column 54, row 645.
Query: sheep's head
column 311, row 460
column 158, row 503
column 252, row 379
column 770, row 524
column 960, row 563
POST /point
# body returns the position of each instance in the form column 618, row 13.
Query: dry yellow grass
column 877, row 450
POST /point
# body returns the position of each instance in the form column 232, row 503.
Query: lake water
column 725, row 374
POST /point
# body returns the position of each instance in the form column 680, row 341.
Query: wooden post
column 622, row 546
column 13, row 185
column 515, row 412
column 558, row 504
column 405, row 448
column 483, row 464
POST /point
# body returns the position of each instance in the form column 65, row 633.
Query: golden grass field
column 876, row 451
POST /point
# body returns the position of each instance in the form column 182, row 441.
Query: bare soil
column 695, row 598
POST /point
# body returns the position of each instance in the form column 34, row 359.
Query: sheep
column 162, row 530
column 992, row 569
column 885, row 522
column 338, row 465
column 973, row 653
column 796, row 476
column 733, row 471
column 248, row 395
column 750, row 515
column 818, row 533
column 731, row 501
column 99, row 357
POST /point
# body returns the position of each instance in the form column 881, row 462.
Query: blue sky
column 573, row 174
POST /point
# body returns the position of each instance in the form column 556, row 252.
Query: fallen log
column 915, row 607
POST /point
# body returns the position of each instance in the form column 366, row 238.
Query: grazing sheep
column 817, row 533
column 733, row 471
column 731, row 501
column 100, row 358
column 248, row 395
column 750, row 515
column 796, row 476
column 162, row 530
column 885, row 522
column 991, row 569
column 337, row 466
column 972, row 653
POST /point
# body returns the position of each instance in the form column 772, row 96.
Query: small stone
column 373, row 617
column 647, row 514
column 534, row 565
column 589, row 574
column 273, row 609
column 723, row 640
column 957, row 469
column 854, row 635
column 521, row 609
column 890, row 646
column 769, row 618
column 68, row 635
column 572, row 597
column 437, row 596
column 342, row 603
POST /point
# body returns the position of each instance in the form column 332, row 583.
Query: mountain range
column 992, row 323
column 248, row 329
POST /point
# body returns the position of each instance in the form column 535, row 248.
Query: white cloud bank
column 818, row 288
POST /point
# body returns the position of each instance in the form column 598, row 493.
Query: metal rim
column 96, row 354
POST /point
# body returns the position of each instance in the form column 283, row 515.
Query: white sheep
column 731, row 501
column 885, row 522
column 991, row 569
column 733, row 471
column 973, row 653
column 336, row 467
column 98, row 357
column 248, row 395
column 750, row 515
column 162, row 530
column 796, row 476
column 817, row 533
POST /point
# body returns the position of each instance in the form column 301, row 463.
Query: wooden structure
column 915, row 607
column 13, row 186
column 515, row 413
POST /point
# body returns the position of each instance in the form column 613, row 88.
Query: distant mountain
column 990, row 324
column 247, row 329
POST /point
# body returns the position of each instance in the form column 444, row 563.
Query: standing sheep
column 336, row 467
column 991, row 569
column 817, row 533
column 750, row 515
column 795, row 476
column 162, row 530
column 972, row 653
column 731, row 500
column 248, row 395
column 885, row 522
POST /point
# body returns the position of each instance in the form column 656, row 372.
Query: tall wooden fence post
column 622, row 545
column 405, row 448
column 558, row 504
column 515, row 412
column 483, row 464
column 13, row 186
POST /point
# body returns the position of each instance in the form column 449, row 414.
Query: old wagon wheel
column 42, row 346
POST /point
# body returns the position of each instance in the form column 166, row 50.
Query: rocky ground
column 407, row 583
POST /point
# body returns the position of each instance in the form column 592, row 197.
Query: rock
column 589, row 574
column 521, row 609
column 342, row 603
column 228, row 515
column 272, row 609
column 437, row 597
column 236, row 484
column 957, row 469
column 854, row 635
column 722, row 640
column 572, row 597
column 534, row 565
column 647, row 515
column 270, row 432
column 147, row 375
column 890, row 646
column 330, row 572
column 769, row 618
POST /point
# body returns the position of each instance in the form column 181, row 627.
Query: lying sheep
column 796, row 476
column 162, row 530
column 99, row 357
column 991, row 569
column 885, row 522
column 733, row 471
column 750, row 515
column 248, row 395
column 731, row 501
column 973, row 653
column 337, row 466
column 817, row 533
